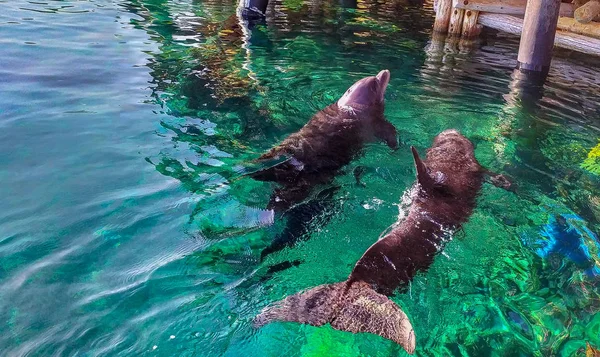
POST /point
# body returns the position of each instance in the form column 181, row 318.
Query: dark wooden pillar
column 537, row 37
column 253, row 10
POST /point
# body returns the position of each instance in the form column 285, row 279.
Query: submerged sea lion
column 444, row 197
column 329, row 141
column 316, row 153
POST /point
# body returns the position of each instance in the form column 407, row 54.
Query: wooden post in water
column 456, row 21
column 563, row 39
column 470, row 29
column 442, row 16
column 253, row 9
column 537, row 38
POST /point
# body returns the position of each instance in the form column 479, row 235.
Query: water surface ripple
column 126, row 230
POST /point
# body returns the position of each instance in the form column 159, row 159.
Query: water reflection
column 233, row 92
column 105, row 253
column 216, row 80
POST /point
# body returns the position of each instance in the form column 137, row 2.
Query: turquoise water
column 124, row 230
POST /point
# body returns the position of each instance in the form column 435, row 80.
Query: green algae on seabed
column 592, row 162
column 368, row 23
column 293, row 5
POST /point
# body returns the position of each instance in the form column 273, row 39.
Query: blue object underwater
column 568, row 236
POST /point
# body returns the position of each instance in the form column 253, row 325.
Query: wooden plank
column 456, row 20
column 567, row 40
column 509, row 7
column 469, row 27
column 587, row 12
column 500, row 22
column 442, row 16
column 571, row 25
column 579, row 43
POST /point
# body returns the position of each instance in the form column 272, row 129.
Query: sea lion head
column 453, row 144
column 451, row 164
column 365, row 93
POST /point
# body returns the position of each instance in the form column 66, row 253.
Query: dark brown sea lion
column 328, row 142
column 315, row 154
column 444, row 196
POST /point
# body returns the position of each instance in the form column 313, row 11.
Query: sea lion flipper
column 354, row 308
column 499, row 180
column 386, row 132
column 365, row 310
column 263, row 168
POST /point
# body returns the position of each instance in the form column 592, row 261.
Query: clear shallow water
column 119, row 234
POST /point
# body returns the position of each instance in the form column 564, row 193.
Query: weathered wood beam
column 579, row 43
column 509, row 7
column 571, row 25
column 470, row 29
column 442, row 16
column 456, row 21
column 567, row 40
column 500, row 22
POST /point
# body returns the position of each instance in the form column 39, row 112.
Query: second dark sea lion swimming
column 315, row 154
column 329, row 141
column 444, row 196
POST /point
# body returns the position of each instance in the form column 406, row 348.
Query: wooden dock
column 542, row 25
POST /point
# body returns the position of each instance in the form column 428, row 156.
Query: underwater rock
column 567, row 236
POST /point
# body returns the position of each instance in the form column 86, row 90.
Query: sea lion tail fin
column 353, row 308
